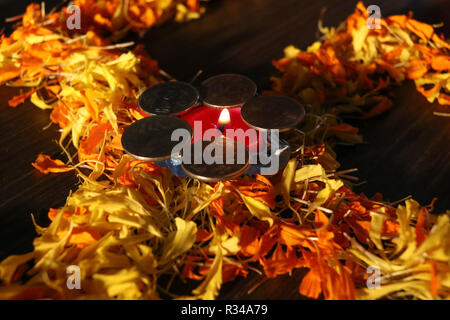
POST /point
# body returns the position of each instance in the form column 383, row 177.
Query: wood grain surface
column 407, row 150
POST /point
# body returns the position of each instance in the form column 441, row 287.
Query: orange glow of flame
column 224, row 117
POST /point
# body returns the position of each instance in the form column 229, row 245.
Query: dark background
column 407, row 150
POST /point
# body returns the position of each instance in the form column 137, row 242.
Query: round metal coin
column 150, row 138
column 169, row 98
column 272, row 112
column 227, row 90
column 220, row 148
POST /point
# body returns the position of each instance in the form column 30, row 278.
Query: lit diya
column 228, row 139
column 222, row 97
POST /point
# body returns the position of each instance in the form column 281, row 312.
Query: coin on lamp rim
column 227, row 90
column 168, row 98
column 149, row 138
column 272, row 112
column 216, row 171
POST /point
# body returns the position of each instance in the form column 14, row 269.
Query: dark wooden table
column 407, row 150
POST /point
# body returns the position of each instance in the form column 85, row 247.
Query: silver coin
column 150, row 138
column 237, row 152
column 272, row 112
column 227, row 90
column 168, row 98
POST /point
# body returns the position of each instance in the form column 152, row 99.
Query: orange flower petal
column 19, row 99
column 440, row 63
column 282, row 64
column 384, row 105
column 81, row 238
column 423, row 30
column 9, row 73
column 45, row 164
column 416, row 69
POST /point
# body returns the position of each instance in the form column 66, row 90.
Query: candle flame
column 224, row 117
